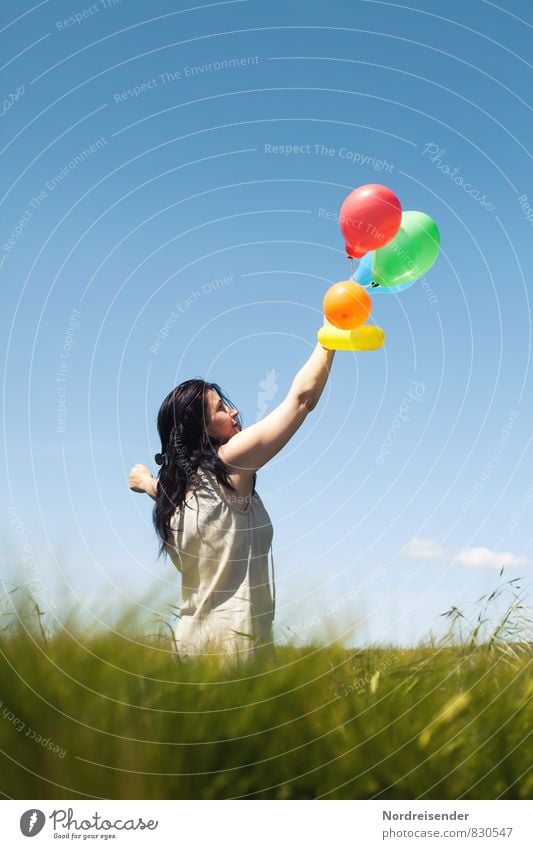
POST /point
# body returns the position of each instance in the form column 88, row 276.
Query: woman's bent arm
column 141, row 480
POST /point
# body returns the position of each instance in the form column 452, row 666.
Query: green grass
column 128, row 720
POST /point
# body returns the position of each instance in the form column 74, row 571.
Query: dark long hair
column 185, row 446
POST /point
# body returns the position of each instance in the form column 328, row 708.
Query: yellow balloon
column 365, row 338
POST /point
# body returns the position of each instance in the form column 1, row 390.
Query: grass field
column 114, row 714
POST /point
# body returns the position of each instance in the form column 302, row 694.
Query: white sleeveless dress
column 221, row 551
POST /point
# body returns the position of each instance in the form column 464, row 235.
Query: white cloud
column 424, row 549
column 484, row 558
column 474, row 558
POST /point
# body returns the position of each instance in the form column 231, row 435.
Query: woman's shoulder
column 199, row 480
column 203, row 484
column 206, row 481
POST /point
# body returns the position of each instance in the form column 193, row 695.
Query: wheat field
column 114, row 714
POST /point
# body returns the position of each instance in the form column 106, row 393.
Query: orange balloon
column 347, row 305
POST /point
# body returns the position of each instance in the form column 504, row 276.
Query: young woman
column 208, row 515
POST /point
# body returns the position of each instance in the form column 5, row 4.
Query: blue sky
column 170, row 182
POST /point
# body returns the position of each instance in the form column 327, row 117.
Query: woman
column 208, row 515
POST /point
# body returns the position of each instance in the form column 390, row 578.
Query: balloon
column 365, row 338
column 346, row 305
column 369, row 218
column 363, row 275
column 410, row 254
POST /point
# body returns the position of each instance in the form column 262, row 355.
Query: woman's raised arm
column 254, row 446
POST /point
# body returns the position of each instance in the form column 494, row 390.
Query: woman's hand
column 140, row 479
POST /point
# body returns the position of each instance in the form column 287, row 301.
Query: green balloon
column 410, row 254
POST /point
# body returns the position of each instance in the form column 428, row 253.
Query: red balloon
column 369, row 218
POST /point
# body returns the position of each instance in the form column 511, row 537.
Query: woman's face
column 221, row 421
